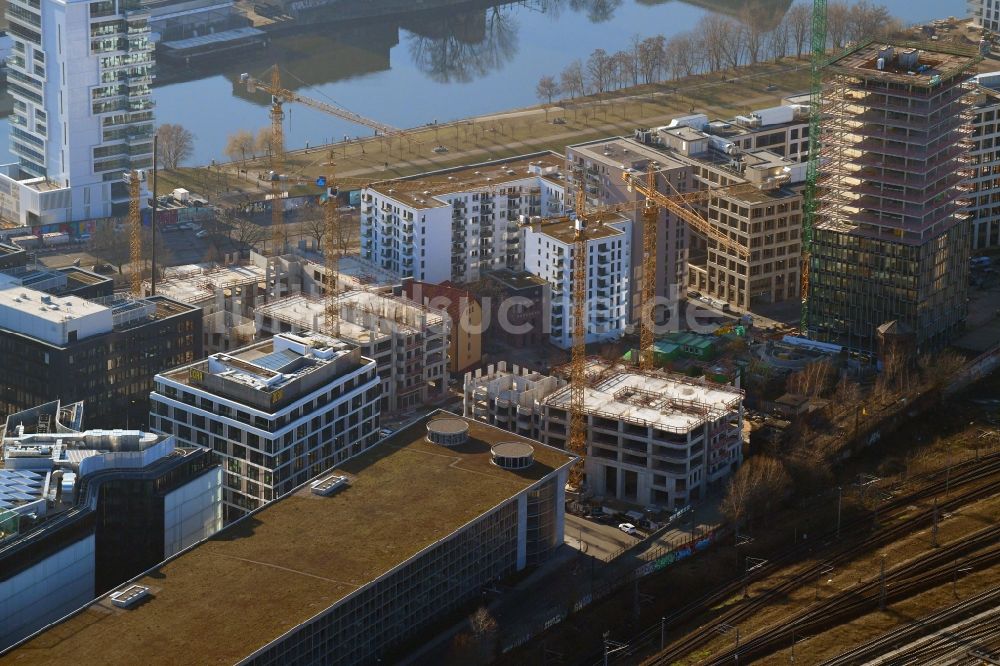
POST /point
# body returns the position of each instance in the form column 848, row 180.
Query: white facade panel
column 192, row 512
column 45, row 592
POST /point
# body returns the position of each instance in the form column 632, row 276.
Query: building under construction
column 408, row 341
column 652, row 437
column 891, row 239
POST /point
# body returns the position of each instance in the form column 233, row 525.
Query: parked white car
column 628, row 528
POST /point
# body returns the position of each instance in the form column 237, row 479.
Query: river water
column 410, row 70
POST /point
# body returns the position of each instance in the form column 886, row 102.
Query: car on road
column 201, row 234
column 385, row 432
column 558, row 121
column 628, row 528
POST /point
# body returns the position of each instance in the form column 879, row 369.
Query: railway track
column 964, row 483
column 980, row 550
column 969, row 626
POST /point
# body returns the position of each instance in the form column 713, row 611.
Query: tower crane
column 810, row 196
column 578, row 360
column 678, row 205
column 133, row 179
column 280, row 95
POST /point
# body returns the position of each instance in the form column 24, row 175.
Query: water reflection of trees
column 598, row 11
column 457, row 53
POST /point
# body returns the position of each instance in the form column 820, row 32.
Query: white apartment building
column 985, row 14
column 80, row 75
column 458, row 223
column 984, row 182
column 549, row 253
column 408, row 341
column 653, row 438
column 275, row 413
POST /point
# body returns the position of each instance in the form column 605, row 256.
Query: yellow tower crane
column 135, row 230
column 679, row 206
column 578, row 360
column 280, row 95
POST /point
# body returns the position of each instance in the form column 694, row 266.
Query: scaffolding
column 889, row 240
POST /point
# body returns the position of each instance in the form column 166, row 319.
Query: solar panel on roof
column 277, row 360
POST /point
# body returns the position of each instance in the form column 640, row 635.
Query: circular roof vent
column 513, row 455
column 448, row 432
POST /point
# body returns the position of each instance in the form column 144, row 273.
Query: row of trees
column 804, row 464
column 243, row 144
column 717, row 43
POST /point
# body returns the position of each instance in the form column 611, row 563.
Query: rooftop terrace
column 563, row 229
column 424, row 190
column 278, row 567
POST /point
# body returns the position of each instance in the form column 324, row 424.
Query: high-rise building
column 352, row 568
column 276, row 412
column 104, row 352
column 891, row 238
column 457, row 223
column 83, row 511
column 80, row 75
column 985, row 179
column 550, row 253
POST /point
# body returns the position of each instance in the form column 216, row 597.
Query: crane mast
column 650, row 213
column 135, row 232
column 578, row 361
column 811, row 202
column 277, row 164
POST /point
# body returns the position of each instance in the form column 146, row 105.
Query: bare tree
column 546, row 89
column 242, row 230
column 733, row 41
column 838, row 15
column 624, row 67
column 681, row 55
column 239, row 144
column 176, row 144
column 652, row 54
column 484, row 628
column 799, row 21
column 867, row 21
column 753, row 22
column 265, row 141
column 709, row 34
column 811, row 380
column 777, row 40
column 110, row 245
column 938, row 370
column 314, row 224
column 599, row 70
column 756, row 487
column 571, row 80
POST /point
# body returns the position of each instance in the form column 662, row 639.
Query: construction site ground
column 956, row 431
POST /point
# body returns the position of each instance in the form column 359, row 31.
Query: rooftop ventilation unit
column 448, row 431
column 328, row 485
column 130, row 596
column 513, row 455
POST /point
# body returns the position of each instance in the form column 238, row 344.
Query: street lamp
column 725, row 629
column 752, row 564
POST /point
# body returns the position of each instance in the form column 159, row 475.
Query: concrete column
column 522, row 530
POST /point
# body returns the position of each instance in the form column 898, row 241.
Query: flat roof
column 619, row 150
column 944, row 61
column 669, row 402
column 423, row 190
column 563, row 229
column 294, row 558
column 516, row 279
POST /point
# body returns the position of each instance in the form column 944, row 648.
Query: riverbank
column 505, row 134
